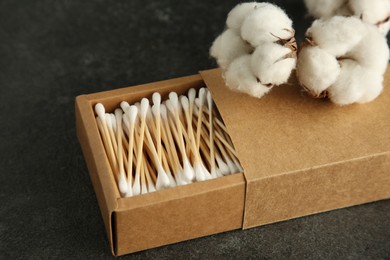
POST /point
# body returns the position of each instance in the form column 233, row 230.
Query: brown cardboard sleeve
column 300, row 156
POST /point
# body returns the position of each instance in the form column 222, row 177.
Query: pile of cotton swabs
column 167, row 144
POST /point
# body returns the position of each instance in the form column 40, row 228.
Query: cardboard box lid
column 287, row 131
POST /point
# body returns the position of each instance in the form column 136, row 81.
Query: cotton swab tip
column 184, row 102
column 133, row 111
column 144, row 107
column 188, row 171
column 209, row 99
column 129, row 193
column 174, row 99
column 202, row 95
column 124, row 105
column 191, row 95
column 156, row 98
column 100, row 110
column 162, row 181
column 122, row 183
column 199, row 174
column 136, row 188
column 118, row 114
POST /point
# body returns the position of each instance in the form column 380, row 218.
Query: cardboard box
column 300, row 156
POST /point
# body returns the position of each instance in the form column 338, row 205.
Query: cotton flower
column 343, row 58
column 267, row 23
column 239, row 77
column 355, row 84
column 337, row 35
column 272, row 64
column 327, row 8
column 375, row 12
column 317, row 70
column 237, row 15
column 257, row 50
column 227, row 47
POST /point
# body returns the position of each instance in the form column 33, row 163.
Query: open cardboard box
column 300, row 156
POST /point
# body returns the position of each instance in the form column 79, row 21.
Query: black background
column 52, row 51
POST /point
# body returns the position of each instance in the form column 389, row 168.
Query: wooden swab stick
column 228, row 160
column 107, row 143
column 172, row 152
column 131, row 114
column 149, row 180
column 162, row 178
column 201, row 173
column 211, row 131
column 172, row 181
column 173, row 107
column 220, row 135
column 216, row 119
column 161, row 137
column 152, row 172
column 156, row 112
column 230, row 150
column 100, row 111
column 144, row 188
column 111, row 125
column 202, row 97
column 122, row 182
column 142, row 113
column 223, row 168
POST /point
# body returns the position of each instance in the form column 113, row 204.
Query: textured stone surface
column 52, row 51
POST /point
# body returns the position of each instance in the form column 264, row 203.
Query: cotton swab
column 174, row 158
column 173, row 106
column 131, row 116
column 163, row 180
column 156, row 112
column 142, row 113
column 100, row 111
column 122, row 176
column 210, row 107
column 189, row 171
column 201, row 173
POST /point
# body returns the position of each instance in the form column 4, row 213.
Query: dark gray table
column 52, row 51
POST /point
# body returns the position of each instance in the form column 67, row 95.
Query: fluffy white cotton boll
column 239, row 77
column 372, row 11
column 316, row 69
column 237, row 15
column 270, row 64
column 228, row 46
column 374, row 86
column 355, row 84
column 384, row 27
column 372, row 52
column 325, row 8
column 268, row 23
column 338, row 34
